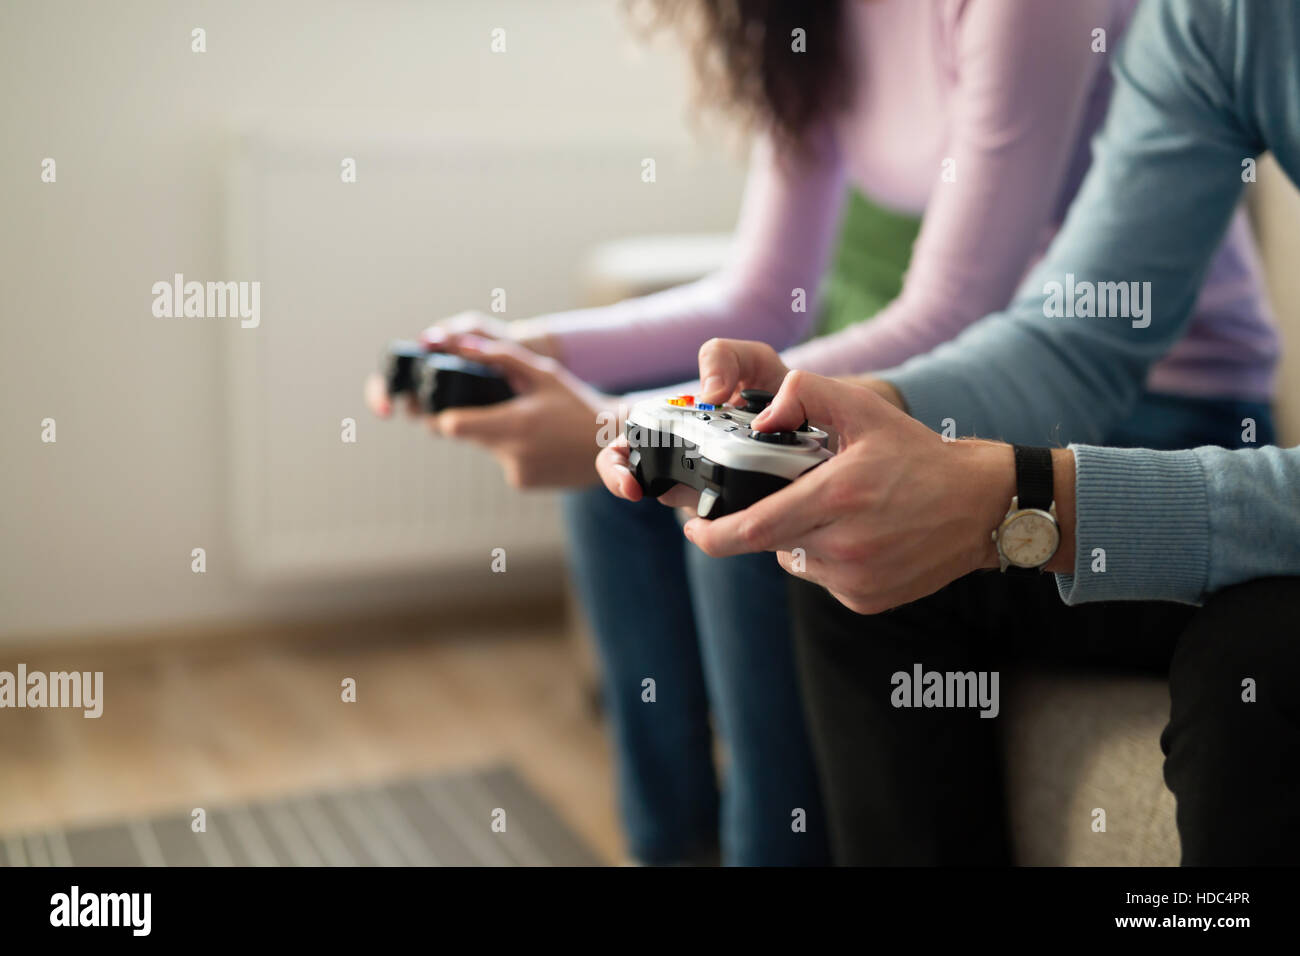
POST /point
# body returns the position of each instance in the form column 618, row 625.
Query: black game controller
column 440, row 381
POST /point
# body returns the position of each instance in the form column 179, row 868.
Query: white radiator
column 430, row 228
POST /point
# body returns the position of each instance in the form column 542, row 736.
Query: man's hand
column 728, row 365
column 898, row 512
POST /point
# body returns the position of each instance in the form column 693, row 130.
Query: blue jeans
column 714, row 636
column 1171, row 422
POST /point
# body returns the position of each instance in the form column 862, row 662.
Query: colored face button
column 705, row 406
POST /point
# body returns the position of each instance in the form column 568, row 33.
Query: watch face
column 1029, row 539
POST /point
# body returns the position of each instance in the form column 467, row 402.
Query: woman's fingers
column 524, row 369
column 444, row 336
column 376, row 392
column 489, row 425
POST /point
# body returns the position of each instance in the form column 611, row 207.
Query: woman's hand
column 547, row 435
column 446, row 336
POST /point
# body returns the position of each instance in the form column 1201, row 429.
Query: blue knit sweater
column 1203, row 88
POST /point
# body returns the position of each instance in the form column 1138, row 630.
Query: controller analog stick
column 776, row 438
column 756, row 399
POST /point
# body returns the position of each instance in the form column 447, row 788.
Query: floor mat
column 441, row 820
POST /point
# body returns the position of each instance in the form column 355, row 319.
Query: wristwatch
column 1029, row 535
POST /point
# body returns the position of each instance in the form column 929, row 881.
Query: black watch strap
column 1034, row 485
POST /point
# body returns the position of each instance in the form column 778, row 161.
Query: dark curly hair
column 746, row 62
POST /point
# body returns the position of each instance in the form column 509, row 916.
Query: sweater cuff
column 1142, row 527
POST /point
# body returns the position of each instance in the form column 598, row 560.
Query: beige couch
column 1077, row 744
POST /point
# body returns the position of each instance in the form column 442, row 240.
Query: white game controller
column 713, row 449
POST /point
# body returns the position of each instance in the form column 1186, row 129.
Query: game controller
column 712, row 448
column 439, row 380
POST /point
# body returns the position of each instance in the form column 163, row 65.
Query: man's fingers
column 849, row 410
column 614, row 470
column 680, row 496
column 720, row 371
column 612, row 466
column 777, row 523
column 728, row 365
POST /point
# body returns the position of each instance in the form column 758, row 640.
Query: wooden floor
column 193, row 722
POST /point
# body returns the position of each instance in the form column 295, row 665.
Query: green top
column 871, row 257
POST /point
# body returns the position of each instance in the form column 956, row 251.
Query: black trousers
column 924, row 786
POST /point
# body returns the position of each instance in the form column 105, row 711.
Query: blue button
column 705, row 406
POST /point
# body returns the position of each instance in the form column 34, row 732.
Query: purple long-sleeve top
column 975, row 115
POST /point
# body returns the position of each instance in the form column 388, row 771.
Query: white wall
column 96, row 529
